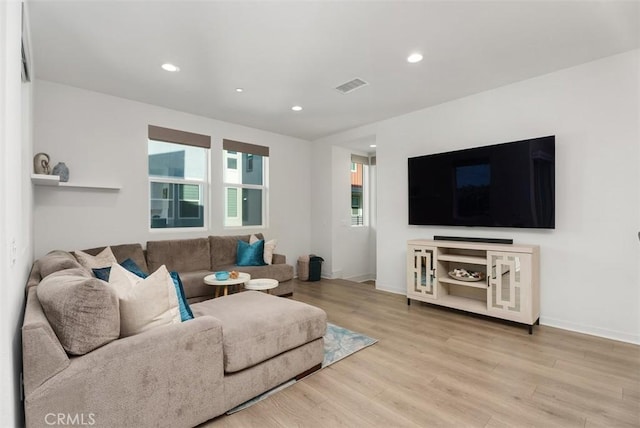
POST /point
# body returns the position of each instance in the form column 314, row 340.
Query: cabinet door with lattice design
column 509, row 294
column 421, row 272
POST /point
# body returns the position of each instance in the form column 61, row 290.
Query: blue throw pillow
column 131, row 266
column 185, row 310
column 102, row 273
column 250, row 254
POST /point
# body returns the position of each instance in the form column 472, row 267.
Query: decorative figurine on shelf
column 41, row 164
column 61, row 170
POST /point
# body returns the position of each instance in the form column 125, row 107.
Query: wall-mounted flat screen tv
column 502, row 185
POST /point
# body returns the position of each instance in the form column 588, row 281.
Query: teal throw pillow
column 185, row 310
column 250, row 254
column 128, row 264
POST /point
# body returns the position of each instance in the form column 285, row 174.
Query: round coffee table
column 261, row 284
column 211, row 280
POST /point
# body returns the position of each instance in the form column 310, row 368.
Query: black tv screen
column 503, row 185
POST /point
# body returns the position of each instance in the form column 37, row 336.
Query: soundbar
column 469, row 239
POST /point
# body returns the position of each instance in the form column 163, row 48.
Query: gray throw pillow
column 83, row 311
column 55, row 261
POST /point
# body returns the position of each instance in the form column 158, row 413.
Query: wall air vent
column 351, row 86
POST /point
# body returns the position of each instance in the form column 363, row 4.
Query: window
column 177, row 178
column 245, row 184
column 358, row 189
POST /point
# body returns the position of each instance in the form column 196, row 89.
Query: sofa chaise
column 177, row 375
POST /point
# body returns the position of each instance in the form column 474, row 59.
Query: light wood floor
column 434, row 367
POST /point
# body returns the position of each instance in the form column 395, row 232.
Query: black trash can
column 315, row 267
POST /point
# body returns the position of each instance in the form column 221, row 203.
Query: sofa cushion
column 145, row 303
column 280, row 272
column 265, row 327
column 103, row 259
column 83, row 311
column 194, row 286
column 180, row 255
column 224, row 249
column 123, row 252
column 55, row 261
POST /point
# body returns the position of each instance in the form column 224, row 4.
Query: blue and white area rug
column 339, row 343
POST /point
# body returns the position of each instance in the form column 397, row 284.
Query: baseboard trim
column 382, row 287
column 592, row 331
column 361, row 278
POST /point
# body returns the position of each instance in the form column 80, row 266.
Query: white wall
column 16, row 249
column 103, row 139
column 345, row 249
column 322, row 226
column 590, row 280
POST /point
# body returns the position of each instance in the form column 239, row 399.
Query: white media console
column 508, row 287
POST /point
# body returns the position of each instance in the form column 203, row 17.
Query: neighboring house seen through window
column 245, row 184
column 359, row 164
column 178, row 178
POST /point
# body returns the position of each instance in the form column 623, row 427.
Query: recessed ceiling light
column 239, row 90
column 296, row 108
column 373, row 146
column 170, row 67
column 414, row 57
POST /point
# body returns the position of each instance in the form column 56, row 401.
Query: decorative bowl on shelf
column 466, row 275
column 222, row 275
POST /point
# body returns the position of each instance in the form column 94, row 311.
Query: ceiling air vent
column 351, row 86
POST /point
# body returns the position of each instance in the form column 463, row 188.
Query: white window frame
column 264, row 187
column 365, row 193
column 204, row 193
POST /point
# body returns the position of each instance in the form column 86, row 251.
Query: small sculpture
column 41, row 164
column 61, row 170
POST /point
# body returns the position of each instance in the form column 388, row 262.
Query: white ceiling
column 287, row 53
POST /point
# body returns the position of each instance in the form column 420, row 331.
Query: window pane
column 232, row 202
column 186, row 197
column 177, row 161
column 251, row 207
column 243, row 168
column 357, row 205
column 243, row 207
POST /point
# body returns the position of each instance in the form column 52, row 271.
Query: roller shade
column 237, row 146
column 360, row 159
column 167, row 135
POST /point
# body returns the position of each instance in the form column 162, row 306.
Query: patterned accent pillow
column 104, row 259
column 131, row 266
column 269, row 248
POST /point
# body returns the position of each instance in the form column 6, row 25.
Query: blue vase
column 61, row 170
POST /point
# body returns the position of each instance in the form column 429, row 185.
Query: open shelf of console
column 508, row 287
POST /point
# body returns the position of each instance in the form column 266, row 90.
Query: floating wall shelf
column 54, row 180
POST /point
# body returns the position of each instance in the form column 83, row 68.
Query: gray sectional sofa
column 177, row 375
column 196, row 258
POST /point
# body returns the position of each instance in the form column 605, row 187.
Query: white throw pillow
column 104, row 259
column 269, row 248
column 144, row 303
